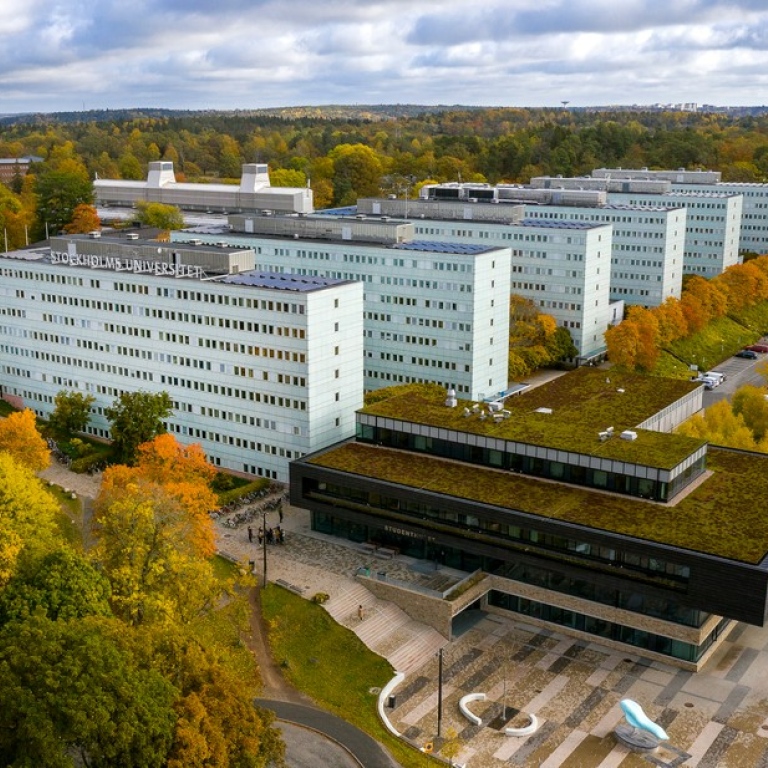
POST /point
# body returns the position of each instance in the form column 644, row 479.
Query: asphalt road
column 739, row 372
column 366, row 751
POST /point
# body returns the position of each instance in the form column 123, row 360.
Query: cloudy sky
column 60, row 55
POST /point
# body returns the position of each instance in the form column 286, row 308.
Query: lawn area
column 332, row 666
column 719, row 340
column 70, row 517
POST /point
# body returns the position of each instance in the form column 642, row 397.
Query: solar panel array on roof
column 559, row 223
column 434, row 246
column 280, row 281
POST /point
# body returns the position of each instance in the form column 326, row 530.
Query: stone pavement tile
column 751, row 714
column 713, row 757
column 661, row 677
column 741, row 665
column 707, row 687
column 708, row 707
column 587, row 706
column 540, row 745
column 671, row 689
column 589, row 752
column 426, row 706
column 562, row 752
column 609, row 720
column 615, row 758
column 538, row 705
column 746, row 750
column 704, row 741
column 728, row 707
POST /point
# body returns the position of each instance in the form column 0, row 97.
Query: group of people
column 274, row 535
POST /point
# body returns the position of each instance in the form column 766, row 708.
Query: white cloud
column 194, row 54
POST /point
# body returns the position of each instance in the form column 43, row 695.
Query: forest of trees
column 106, row 652
column 346, row 157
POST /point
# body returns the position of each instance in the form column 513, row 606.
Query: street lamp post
column 264, row 543
column 439, row 693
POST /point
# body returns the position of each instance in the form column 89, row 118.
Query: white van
column 715, row 375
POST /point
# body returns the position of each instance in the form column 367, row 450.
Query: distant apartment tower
column 261, row 368
column 713, row 220
column 434, row 310
column 754, row 217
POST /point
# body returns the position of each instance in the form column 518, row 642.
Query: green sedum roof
column 583, row 402
column 724, row 516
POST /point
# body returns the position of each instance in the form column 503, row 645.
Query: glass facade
column 616, row 482
column 494, row 531
column 607, row 629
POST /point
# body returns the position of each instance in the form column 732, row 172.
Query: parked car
column 747, row 354
column 761, row 348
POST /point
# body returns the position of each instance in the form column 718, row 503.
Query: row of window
column 582, row 552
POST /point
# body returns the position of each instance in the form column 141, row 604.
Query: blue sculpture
column 640, row 721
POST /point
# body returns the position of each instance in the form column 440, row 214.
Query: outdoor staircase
column 386, row 629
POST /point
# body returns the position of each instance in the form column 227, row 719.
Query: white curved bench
column 526, row 730
column 464, row 700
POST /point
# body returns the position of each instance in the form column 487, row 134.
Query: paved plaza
column 717, row 718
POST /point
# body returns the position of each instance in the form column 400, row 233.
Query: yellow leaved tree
column 154, row 535
column 19, row 436
column 27, row 514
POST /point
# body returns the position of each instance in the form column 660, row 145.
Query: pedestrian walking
column 270, row 536
column 261, row 535
column 250, row 534
column 280, row 512
column 360, row 612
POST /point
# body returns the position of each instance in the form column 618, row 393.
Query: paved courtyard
column 717, row 718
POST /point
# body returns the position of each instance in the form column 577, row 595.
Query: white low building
column 261, row 367
column 254, row 192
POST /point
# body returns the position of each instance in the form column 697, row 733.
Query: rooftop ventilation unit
column 628, row 434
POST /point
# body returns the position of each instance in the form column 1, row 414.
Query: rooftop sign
column 137, row 266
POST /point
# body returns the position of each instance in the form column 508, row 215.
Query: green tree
column 59, row 191
column 287, row 177
column 357, row 172
column 62, row 585
column 130, row 168
column 136, row 418
column 160, row 215
column 72, row 412
column 72, row 694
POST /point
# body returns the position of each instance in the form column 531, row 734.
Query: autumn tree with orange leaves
column 154, row 537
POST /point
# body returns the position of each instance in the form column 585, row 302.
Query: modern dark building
column 572, row 504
